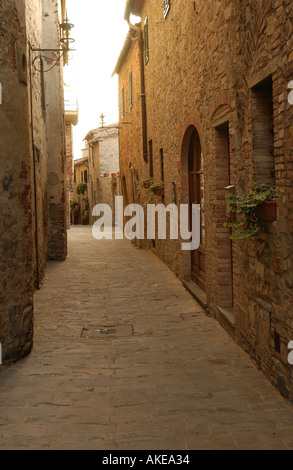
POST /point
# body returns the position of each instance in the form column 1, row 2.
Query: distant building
column 71, row 119
column 79, row 193
column 103, row 160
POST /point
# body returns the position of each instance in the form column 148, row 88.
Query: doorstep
column 227, row 320
column 196, row 292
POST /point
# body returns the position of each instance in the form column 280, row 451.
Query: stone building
column 203, row 98
column 133, row 155
column 71, row 120
column 103, row 161
column 32, row 191
column 79, row 193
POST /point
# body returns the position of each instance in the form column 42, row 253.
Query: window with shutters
column 146, row 40
column 130, row 91
column 166, row 7
column 122, row 103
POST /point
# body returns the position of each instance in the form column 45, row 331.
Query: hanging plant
column 81, row 188
column 155, row 189
column 251, row 222
column 145, row 183
column 73, row 205
column 158, row 189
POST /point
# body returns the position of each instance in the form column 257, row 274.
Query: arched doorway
column 196, row 196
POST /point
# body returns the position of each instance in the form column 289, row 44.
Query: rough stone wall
column 69, row 167
column 69, row 185
column 109, row 154
column 94, row 190
column 133, row 167
column 108, row 192
column 57, row 244
column 16, row 187
column 69, row 138
column 23, row 173
column 37, row 118
column 203, row 64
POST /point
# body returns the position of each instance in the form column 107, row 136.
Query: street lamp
column 56, row 54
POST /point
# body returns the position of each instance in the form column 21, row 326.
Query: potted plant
column 251, row 208
column 145, row 183
column 73, row 205
column 267, row 211
column 157, row 189
column 81, row 188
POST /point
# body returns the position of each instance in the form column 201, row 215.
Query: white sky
column 99, row 32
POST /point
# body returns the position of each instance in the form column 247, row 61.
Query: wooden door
column 196, row 196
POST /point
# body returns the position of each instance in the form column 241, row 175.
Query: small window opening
column 263, row 131
column 162, row 164
column 277, row 340
column 151, row 159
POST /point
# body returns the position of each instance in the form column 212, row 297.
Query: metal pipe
column 142, row 94
column 34, row 176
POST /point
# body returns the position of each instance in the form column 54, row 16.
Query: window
column 146, row 40
column 130, row 91
column 162, row 164
column 263, row 131
column 122, row 103
column 151, row 159
column 166, row 7
column 85, row 176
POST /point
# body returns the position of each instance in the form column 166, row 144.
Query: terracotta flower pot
column 113, row 175
column 267, row 211
column 159, row 191
column 147, row 185
column 106, row 175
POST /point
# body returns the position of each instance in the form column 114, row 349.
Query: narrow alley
column 124, row 358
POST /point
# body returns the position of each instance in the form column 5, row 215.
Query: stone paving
column 125, row 359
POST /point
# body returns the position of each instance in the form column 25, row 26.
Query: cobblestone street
column 125, row 359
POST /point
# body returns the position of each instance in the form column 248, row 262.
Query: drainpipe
column 142, row 93
column 34, row 174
